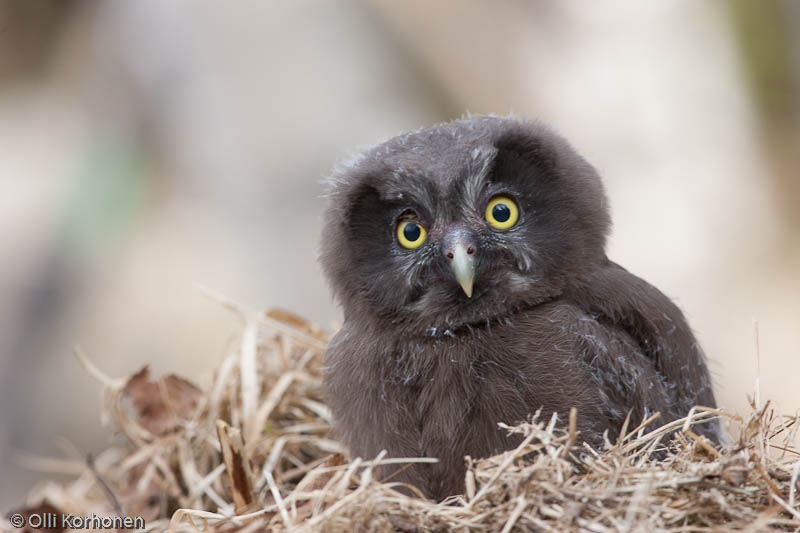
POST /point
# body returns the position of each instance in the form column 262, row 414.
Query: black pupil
column 501, row 212
column 411, row 231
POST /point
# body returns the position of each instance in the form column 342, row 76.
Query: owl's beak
column 463, row 264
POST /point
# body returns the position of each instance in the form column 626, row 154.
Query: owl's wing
column 660, row 331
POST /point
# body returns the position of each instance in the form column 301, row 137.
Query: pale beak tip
column 467, row 289
column 463, row 266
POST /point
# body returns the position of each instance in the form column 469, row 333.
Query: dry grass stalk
column 253, row 452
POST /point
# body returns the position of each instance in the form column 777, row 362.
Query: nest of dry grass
column 253, row 452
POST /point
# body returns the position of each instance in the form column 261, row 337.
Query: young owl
column 469, row 261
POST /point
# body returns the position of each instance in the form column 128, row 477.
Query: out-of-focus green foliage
column 763, row 29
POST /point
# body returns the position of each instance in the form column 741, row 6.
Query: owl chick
column 469, row 262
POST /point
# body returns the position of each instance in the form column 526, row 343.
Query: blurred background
column 147, row 147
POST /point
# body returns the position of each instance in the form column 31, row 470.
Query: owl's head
column 460, row 224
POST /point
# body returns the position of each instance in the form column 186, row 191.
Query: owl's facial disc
column 460, row 253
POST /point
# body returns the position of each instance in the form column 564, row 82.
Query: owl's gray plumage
column 479, row 325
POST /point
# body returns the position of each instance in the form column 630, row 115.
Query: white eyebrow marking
column 477, row 169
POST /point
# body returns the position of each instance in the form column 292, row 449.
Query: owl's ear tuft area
column 527, row 141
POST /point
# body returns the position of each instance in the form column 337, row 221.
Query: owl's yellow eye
column 502, row 212
column 410, row 234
